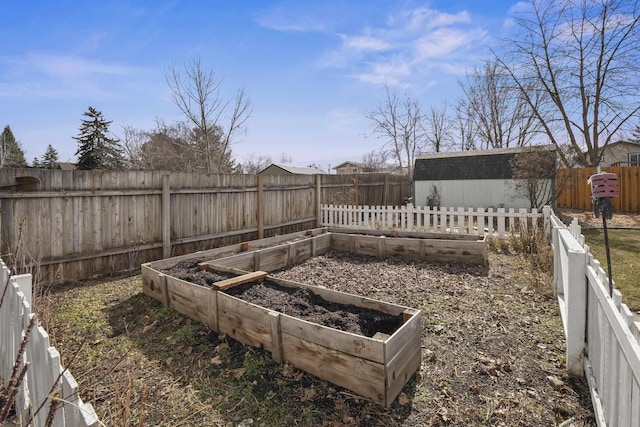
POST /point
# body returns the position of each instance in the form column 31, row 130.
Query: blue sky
column 313, row 69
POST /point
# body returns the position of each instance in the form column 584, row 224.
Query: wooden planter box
column 375, row 367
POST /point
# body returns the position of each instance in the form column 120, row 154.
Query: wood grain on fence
column 574, row 191
column 81, row 223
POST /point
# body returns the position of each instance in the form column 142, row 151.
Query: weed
column 186, row 334
column 533, row 242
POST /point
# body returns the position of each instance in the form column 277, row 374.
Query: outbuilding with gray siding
column 481, row 178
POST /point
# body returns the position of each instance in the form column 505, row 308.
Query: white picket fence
column 46, row 380
column 603, row 339
column 476, row 221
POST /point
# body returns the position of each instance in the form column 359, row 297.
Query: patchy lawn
column 624, row 245
column 492, row 353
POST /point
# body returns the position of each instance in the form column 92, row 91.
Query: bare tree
column 438, row 128
column 583, row 55
column 374, row 161
column 400, row 123
column 464, row 126
column 502, row 117
column 132, row 140
column 534, row 172
column 255, row 163
column 196, row 92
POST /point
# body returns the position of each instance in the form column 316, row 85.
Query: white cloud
column 408, row 45
column 364, row 43
column 442, row 42
column 425, row 19
column 67, row 66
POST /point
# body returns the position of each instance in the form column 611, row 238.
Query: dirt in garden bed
column 304, row 304
column 296, row 302
column 189, row 271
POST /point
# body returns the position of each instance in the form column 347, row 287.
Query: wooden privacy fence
column 76, row 224
column 574, row 191
column 602, row 335
column 46, row 381
column 489, row 222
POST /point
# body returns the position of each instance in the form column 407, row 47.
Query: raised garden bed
column 373, row 364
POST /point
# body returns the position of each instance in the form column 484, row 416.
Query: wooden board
column 256, row 276
column 341, row 242
column 243, row 321
column 153, row 284
column 403, row 247
column 362, row 376
column 321, row 244
column 252, row 244
column 189, row 299
column 406, row 333
column 299, row 251
column 353, row 344
column 399, row 233
column 274, row 258
column 243, row 261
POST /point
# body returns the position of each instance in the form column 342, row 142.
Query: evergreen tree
column 49, row 159
column 11, row 153
column 96, row 150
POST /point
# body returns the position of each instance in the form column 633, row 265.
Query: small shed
column 275, row 169
column 478, row 179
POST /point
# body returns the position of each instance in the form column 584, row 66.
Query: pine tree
column 11, row 153
column 96, row 150
column 49, row 159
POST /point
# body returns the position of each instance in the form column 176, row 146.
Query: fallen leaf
column 403, row 399
column 555, row 382
column 216, row 360
column 188, row 350
column 237, row 373
column 221, row 346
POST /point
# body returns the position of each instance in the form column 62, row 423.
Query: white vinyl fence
column 602, row 335
column 490, row 222
column 46, row 381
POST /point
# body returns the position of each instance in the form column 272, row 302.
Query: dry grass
column 492, row 339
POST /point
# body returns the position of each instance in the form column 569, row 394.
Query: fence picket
column 43, row 381
column 611, row 348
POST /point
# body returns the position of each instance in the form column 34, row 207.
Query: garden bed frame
column 375, row 367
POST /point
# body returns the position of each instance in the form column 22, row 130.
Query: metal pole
column 606, row 245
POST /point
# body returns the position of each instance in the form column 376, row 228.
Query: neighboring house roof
column 66, row 166
column 348, row 164
column 300, row 170
column 634, row 143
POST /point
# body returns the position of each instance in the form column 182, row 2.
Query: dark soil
column 304, row 304
column 189, row 271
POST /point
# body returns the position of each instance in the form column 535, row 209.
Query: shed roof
column 471, row 165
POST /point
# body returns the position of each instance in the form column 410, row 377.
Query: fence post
column 318, row 201
column 166, row 217
column 260, row 204
column 576, row 303
column 410, row 216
